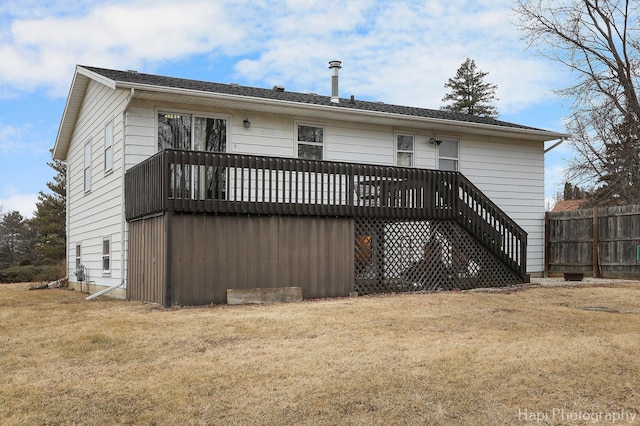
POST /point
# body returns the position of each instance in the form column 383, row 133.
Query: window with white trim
column 191, row 132
column 310, row 141
column 78, row 258
column 448, row 154
column 106, row 255
column 184, row 131
column 87, row 166
column 405, row 144
column 108, row 146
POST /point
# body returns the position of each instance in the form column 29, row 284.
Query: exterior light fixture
column 246, row 123
column 435, row 141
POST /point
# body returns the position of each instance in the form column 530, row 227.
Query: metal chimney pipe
column 334, row 66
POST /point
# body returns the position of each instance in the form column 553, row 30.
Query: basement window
column 78, row 258
column 106, row 255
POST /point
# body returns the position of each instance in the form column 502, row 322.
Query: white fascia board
column 364, row 115
column 97, row 77
column 69, row 116
column 72, row 108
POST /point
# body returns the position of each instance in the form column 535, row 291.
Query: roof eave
column 343, row 113
column 72, row 108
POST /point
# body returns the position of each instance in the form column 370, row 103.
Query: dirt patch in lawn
column 443, row 358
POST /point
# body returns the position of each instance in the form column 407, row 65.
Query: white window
column 78, row 258
column 310, row 141
column 106, row 255
column 448, row 154
column 87, row 167
column 108, row 146
column 404, row 149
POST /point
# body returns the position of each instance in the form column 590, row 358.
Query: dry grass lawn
column 561, row 354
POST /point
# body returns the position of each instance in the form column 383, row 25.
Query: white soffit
column 298, row 109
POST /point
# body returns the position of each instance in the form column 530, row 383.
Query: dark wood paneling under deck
column 213, row 253
column 147, row 260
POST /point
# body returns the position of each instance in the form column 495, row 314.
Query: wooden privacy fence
column 601, row 242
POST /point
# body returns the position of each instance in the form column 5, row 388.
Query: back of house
column 116, row 122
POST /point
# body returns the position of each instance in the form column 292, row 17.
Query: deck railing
column 205, row 182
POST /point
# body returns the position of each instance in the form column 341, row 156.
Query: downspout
column 546, row 227
column 106, row 290
column 554, row 145
column 67, row 203
column 123, row 258
column 56, row 283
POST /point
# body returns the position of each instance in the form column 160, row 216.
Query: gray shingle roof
column 133, row 77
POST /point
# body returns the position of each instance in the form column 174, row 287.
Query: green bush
column 30, row 273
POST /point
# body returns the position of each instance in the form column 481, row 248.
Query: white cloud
column 394, row 51
column 42, row 51
column 401, row 52
column 22, row 138
column 24, row 203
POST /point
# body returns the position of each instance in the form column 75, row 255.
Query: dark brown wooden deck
column 213, row 183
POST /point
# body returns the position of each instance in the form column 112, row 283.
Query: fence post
column 596, row 245
column 547, row 243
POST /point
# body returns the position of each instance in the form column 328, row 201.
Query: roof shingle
column 133, row 77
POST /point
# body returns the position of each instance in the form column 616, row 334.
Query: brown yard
column 540, row 355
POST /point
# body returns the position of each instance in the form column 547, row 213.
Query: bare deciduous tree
column 599, row 42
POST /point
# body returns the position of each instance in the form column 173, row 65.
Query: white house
column 115, row 120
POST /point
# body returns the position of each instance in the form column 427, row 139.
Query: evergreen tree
column 470, row 94
column 619, row 180
column 15, row 241
column 572, row 192
column 568, row 191
column 49, row 221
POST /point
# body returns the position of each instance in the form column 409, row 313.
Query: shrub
column 30, row 273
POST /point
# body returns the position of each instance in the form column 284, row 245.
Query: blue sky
column 399, row 52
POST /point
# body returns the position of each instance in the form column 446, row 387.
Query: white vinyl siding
column 97, row 213
column 512, row 176
column 511, row 172
column 360, row 143
column 140, row 124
